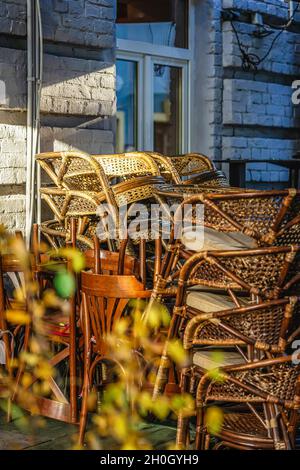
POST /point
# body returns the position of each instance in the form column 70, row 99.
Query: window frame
column 146, row 55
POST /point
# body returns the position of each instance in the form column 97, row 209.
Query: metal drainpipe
column 34, row 82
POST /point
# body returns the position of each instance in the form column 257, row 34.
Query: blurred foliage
column 121, row 400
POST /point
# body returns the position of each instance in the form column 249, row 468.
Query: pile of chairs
column 232, row 287
column 236, row 292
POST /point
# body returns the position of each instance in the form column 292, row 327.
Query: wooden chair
column 104, row 302
column 12, row 270
column 214, row 281
column 270, row 390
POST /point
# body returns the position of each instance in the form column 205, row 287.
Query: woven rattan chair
column 83, row 183
column 231, row 220
column 40, row 269
column 175, row 169
column 125, row 166
column 214, row 281
column 58, row 235
column 270, row 389
column 265, row 329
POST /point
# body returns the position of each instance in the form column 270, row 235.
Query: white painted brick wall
column 87, row 22
column 257, row 103
column 261, row 149
column 71, row 87
column 88, row 140
column 74, row 86
column 12, row 212
column 12, row 154
column 284, row 57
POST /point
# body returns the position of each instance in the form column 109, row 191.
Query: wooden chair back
column 104, row 301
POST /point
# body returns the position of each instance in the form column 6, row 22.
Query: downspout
column 34, row 85
column 29, row 119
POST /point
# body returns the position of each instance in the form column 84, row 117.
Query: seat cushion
column 208, row 359
column 211, row 301
column 210, row 239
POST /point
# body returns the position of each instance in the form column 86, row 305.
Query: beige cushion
column 212, row 359
column 206, row 301
column 209, row 239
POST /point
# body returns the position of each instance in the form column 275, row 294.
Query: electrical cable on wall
column 251, row 61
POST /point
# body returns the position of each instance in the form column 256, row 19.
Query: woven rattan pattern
column 261, row 272
column 279, row 380
column 244, row 423
column 264, row 326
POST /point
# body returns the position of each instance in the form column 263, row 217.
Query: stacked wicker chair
column 269, row 389
column 258, row 332
column 227, row 282
column 84, row 182
column 191, row 168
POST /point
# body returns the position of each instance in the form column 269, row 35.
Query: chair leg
column 84, row 409
column 207, row 442
column 162, row 376
column 21, row 367
column 200, row 431
column 182, row 435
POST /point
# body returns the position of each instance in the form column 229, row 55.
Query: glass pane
column 163, row 22
column 126, row 105
column 167, row 109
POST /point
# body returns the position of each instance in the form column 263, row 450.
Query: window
column 153, row 61
column 163, row 22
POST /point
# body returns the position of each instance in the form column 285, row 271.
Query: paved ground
column 60, row 436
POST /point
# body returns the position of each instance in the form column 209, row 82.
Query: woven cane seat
column 215, row 358
column 209, row 239
column 246, row 425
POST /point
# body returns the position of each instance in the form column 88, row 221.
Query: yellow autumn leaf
column 120, row 428
column 183, row 403
column 26, row 380
column 176, row 352
column 19, row 295
column 157, row 315
column 30, row 359
column 145, row 402
column 214, row 420
column 43, row 370
column 77, row 258
column 18, row 317
column 161, row 407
